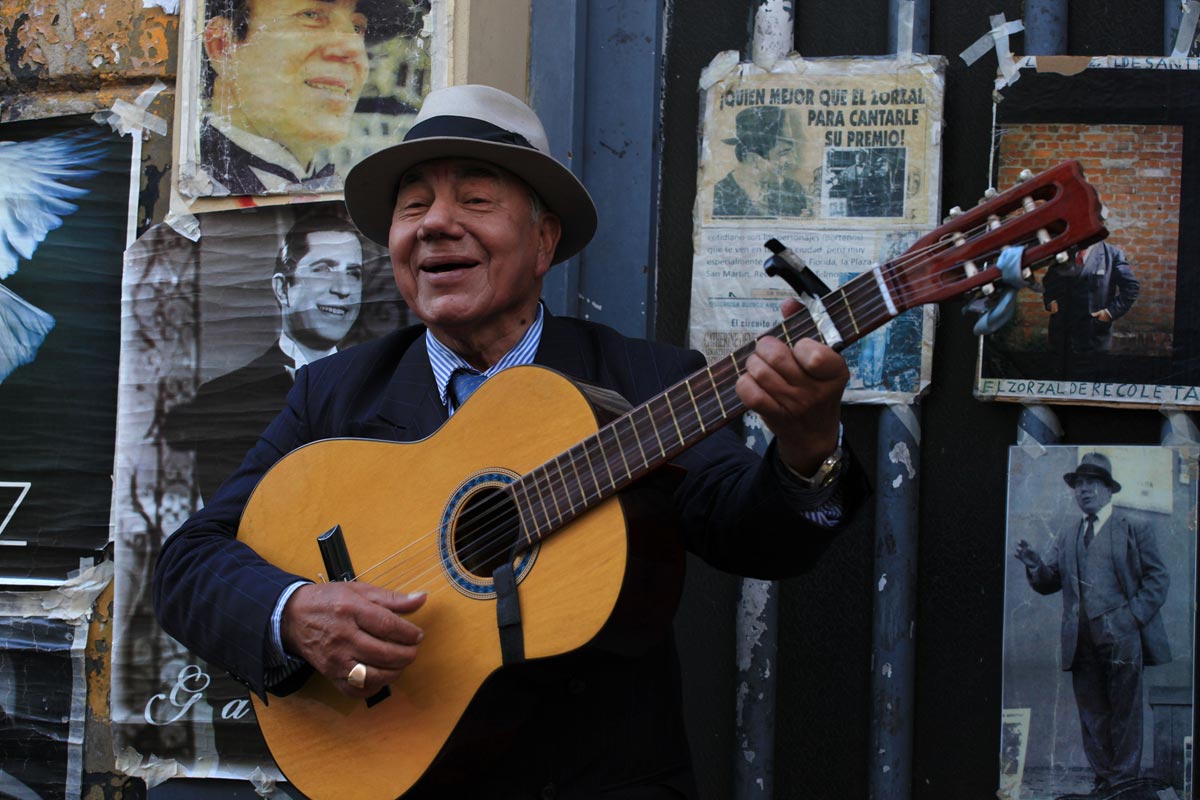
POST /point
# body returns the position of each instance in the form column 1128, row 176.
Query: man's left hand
column 798, row 393
column 1102, row 315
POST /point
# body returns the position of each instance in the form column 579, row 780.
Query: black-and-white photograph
column 865, row 182
column 214, row 333
column 1099, row 617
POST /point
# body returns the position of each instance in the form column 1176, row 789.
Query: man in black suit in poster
column 318, row 285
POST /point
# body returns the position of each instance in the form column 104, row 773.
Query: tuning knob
column 1061, row 257
column 955, row 212
column 990, row 192
column 1025, row 175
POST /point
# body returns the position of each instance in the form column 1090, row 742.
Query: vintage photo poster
column 1115, row 324
column 43, row 690
column 280, row 97
column 64, row 212
column 840, row 160
column 1099, row 619
column 213, row 333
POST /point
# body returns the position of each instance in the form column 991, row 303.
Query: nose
column 439, row 221
column 346, row 40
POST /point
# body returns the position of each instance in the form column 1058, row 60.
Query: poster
column 283, row 98
column 1114, row 325
column 212, row 334
column 42, row 695
column 1133, row 576
column 840, row 160
column 64, row 213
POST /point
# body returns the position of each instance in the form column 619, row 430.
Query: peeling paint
column 900, row 454
column 883, row 581
column 591, row 303
column 750, row 620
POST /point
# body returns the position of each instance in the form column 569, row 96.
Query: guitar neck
column 650, row 435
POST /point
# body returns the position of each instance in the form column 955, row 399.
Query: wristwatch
column 829, row 471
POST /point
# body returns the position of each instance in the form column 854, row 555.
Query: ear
column 280, row 286
column 549, row 232
column 218, row 41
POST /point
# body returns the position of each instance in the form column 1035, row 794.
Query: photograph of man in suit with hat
column 1114, row 582
column 759, row 184
column 282, row 80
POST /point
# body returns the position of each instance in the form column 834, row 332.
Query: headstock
column 1047, row 213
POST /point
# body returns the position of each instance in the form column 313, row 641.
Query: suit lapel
column 410, row 408
column 562, row 349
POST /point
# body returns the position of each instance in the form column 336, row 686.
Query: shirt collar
column 294, row 352
column 1101, row 516
column 266, row 149
column 446, row 362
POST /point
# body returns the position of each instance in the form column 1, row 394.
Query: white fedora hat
column 482, row 123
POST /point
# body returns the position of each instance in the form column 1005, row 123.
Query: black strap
column 508, row 615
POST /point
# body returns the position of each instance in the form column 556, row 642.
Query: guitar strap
column 508, row 614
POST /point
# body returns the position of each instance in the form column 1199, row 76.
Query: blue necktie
column 463, row 384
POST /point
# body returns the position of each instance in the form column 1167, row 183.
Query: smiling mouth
column 437, row 269
column 337, row 311
column 329, row 85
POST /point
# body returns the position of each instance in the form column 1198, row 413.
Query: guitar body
column 399, row 507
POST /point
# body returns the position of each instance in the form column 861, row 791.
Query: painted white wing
column 23, row 328
column 34, row 193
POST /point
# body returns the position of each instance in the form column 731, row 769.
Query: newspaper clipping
column 839, row 159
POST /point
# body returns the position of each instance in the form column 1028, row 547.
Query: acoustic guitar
column 546, row 502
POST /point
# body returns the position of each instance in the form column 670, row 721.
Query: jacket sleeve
column 1151, row 575
column 1127, row 287
column 1046, row 578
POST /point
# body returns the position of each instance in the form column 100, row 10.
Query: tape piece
column 906, row 13
column 908, row 418
column 1187, row 29
column 152, row 770
column 1178, row 429
column 997, row 39
column 1037, row 427
column 125, row 117
column 72, row 601
column 180, row 219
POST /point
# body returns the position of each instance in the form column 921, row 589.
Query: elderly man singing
column 474, row 211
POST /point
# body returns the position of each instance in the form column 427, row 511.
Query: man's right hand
column 334, row 626
column 1052, row 307
column 1027, row 555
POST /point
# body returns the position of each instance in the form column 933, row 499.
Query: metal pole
column 898, row 18
column 757, row 626
column 1045, row 27
column 1172, row 17
column 893, row 634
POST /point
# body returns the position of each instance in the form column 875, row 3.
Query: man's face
column 1092, row 494
column 297, row 75
column 467, row 254
column 320, row 301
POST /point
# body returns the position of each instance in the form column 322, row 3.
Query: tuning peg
column 990, row 192
column 955, row 212
column 1025, row 175
column 1062, row 257
column 1028, row 204
column 994, row 222
column 1103, row 212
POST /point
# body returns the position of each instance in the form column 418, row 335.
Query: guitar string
column 500, row 506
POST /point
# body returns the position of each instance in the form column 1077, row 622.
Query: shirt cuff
column 821, row 505
column 279, row 664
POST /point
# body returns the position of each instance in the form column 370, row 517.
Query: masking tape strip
column 1179, row 430
column 904, row 28
column 997, row 38
column 1037, row 427
column 180, row 219
column 1187, row 29
column 126, row 117
column 908, row 418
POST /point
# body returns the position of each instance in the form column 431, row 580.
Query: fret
column 550, row 489
column 667, row 396
column 695, row 405
column 578, row 480
column 562, row 477
column 620, row 447
column 524, row 511
column 541, row 495
column 604, row 460
column 653, row 427
column 850, row 311
column 591, row 470
column 716, row 390
column 637, row 437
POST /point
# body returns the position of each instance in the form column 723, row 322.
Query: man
column 1084, row 299
column 1114, row 583
column 759, row 185
column 282, row 79
column 475, row 211
column 317, row 283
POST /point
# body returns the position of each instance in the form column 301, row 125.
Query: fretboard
column 650, row 435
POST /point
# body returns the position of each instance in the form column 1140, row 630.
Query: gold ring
column 358, row 676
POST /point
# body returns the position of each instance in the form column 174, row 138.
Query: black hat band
column 465, row 128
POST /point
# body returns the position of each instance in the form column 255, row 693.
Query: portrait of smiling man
column 282, row 80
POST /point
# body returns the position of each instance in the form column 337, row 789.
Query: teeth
column 338, row 310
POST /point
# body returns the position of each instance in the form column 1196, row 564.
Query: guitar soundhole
column 485, row 532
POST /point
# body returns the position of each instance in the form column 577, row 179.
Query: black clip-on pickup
column 332, row 545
